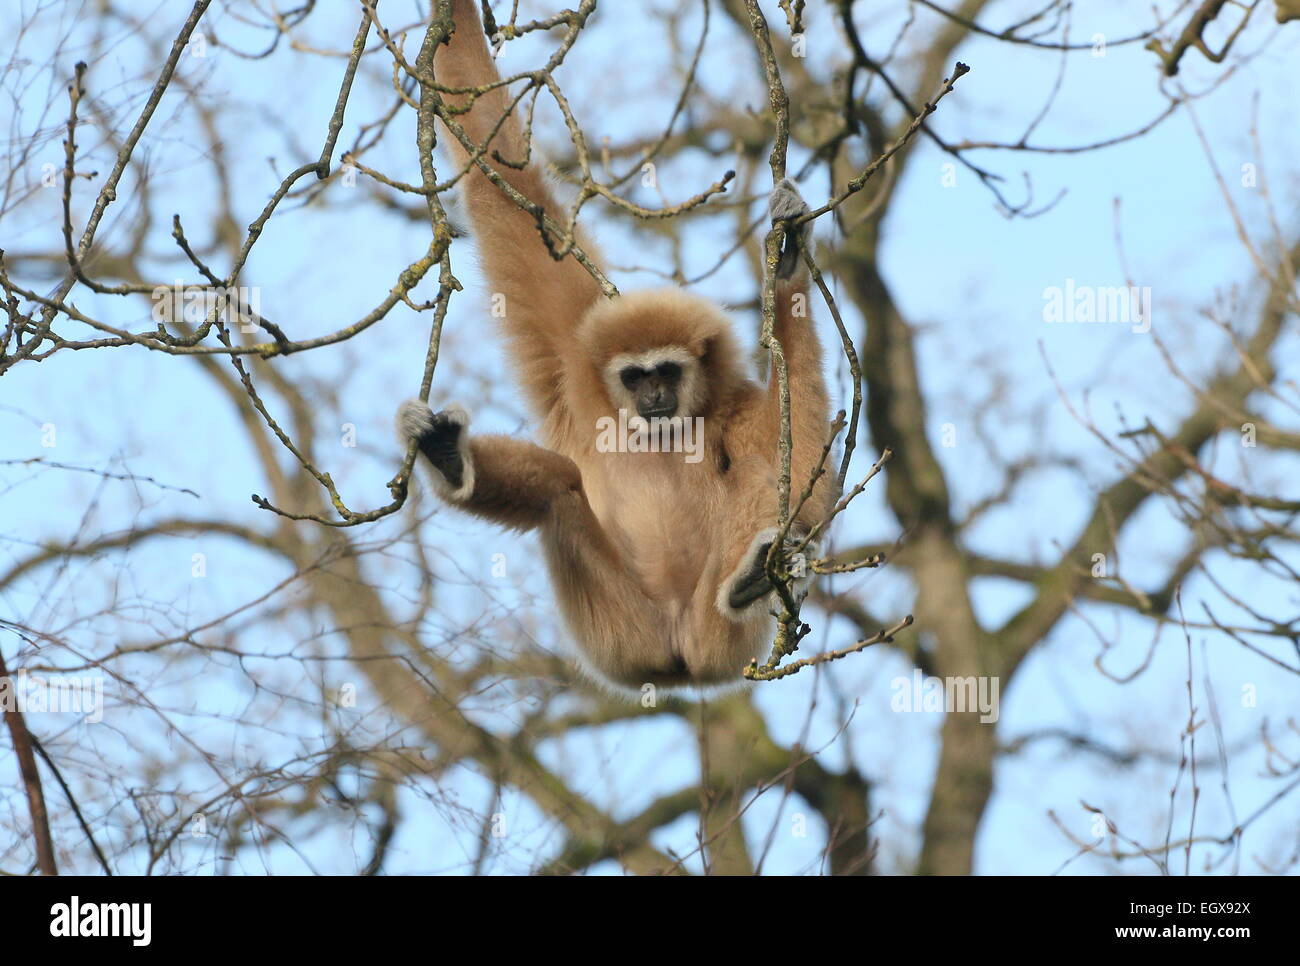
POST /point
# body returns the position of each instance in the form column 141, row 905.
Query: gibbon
column 656, row 557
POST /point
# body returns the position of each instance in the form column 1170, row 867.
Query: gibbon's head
column 663, row 353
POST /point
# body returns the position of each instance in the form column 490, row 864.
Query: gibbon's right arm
column 544, row 299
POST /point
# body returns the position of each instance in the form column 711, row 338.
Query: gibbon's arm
column 508, row 481
column 794, row 329
column 543, row 299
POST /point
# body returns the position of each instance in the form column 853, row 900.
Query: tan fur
column 641, row 547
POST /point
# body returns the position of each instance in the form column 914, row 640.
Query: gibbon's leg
column 527, row 487
column 726, row 633
column 540, row 300
column 746, row 533
column 623, row 633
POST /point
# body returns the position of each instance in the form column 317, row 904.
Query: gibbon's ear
column 721, row 358
column 443, row 439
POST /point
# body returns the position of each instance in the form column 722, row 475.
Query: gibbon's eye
column 669, row 372
column 631, row 376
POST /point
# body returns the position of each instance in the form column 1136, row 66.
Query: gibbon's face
column 659, row 383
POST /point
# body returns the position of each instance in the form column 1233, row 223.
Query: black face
column 653, row 390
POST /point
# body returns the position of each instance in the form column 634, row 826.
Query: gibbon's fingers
column 785, row 202
column 783, row 205
column 442, row 439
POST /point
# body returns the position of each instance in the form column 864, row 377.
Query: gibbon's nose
column 657, row 401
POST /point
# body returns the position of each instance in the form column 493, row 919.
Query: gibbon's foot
column 752, row 582
column 441, row 437
column 784, row 204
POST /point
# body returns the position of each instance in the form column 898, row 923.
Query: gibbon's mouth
column 665, row 412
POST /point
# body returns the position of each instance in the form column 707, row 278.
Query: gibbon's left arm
column 758, row 428
column 794, row 329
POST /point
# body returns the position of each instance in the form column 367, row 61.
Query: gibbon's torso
column 655, row 507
